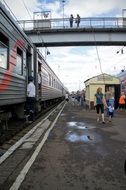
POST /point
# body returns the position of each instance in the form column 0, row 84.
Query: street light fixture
column 121, row 50
column 47, row 52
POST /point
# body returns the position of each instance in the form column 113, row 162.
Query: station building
column 107, row 83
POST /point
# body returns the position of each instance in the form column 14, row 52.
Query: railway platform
column 79, row 153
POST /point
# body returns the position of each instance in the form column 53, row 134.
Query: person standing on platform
column 122, row 101
column 99, row 103
column 67, row 97
column 73, row 99
column 39, row 82
column 82, row 98
column 31, row 99
column 77, row 20
column 108, row 96
column 71, row 20
column 78, row 97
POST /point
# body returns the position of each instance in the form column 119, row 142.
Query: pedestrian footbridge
column 91, row 31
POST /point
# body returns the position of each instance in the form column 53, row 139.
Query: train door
column 28, row 64
column 39, row 79
column 117, row 95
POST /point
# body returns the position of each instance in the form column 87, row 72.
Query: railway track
column 18, row 159
column 17, row 129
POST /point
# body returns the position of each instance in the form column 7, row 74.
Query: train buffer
column 74, row 152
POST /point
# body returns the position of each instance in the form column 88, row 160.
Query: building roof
column 103, row 74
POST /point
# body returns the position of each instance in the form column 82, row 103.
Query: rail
column 91, row 22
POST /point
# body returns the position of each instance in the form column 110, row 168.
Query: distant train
column 19, row 59
column 122, row 77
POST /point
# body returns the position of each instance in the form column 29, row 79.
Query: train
column 19, row 59
column 122, row 77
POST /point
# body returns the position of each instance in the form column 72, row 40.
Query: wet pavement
column 81, row 154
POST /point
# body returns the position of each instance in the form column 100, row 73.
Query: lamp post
column 123, row 12
column 63, row 1
column 47, row 52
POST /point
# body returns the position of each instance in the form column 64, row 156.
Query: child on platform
column 110, row 107
column 110, row 112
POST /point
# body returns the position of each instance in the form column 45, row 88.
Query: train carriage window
column 4, row 44
column 54, row 83
column 45, row 77
column 19, row 63
column 50, row 80
column 3, row 56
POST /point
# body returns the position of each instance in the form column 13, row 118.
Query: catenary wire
column 5, row 3
column 27, row 10
column 97, row 53
column 13, row 15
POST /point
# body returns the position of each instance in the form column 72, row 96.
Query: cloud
column 74, row 69
column 74, row 65
column 23, row 9
column 86, row 8
column 89, row 8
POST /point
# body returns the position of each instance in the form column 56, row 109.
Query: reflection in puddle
column 63, row 114
column 78, row 125
column 72, row 124
column 73, row 117
column 73, row 137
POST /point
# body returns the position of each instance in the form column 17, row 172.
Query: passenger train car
column 122, row 77
column 19, row 59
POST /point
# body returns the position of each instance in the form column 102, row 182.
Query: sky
column 74, row 65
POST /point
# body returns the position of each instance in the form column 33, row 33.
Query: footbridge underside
column 77, row 37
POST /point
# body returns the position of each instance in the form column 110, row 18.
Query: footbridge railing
column 91, row 22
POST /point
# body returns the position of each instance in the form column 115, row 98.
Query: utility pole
column 63, row 2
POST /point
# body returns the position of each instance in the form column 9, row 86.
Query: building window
column 19, row 62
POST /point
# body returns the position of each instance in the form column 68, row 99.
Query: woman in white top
column 67, row 97
column 31, row 99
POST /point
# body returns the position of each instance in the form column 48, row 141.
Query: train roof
column 13, row 21
column 122, row 74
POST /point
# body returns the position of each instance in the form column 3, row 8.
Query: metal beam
column 78, row 37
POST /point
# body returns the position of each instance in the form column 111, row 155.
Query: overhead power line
column 7, row 6
column 27, row 10
column 99, row 60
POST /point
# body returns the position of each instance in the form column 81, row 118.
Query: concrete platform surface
column 81, row 154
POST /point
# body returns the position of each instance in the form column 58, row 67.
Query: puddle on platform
column 77, row 125
column 73, row 117
column 63, row 114
column 73, row 137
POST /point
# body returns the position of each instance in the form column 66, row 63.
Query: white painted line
column 36, row 135
column 18, row 143
column 26, row 168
